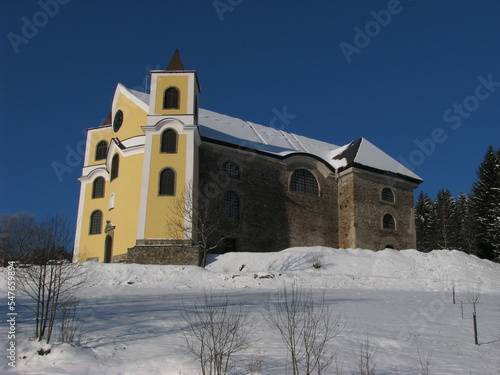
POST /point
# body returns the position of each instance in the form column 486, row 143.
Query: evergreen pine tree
column 465, row 225
column 445, row 218
column 424, row 222
column 486, row 205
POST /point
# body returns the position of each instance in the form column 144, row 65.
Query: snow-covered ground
column 400, row 300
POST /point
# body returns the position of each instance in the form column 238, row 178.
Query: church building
column 158, row 154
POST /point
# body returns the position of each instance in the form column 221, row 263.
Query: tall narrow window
column 171, row 98
column 304, row 182
column 231, row 205
column 387, row 195
column 169, row 141
column 101, row 150
column 114, row 167
column 167, row 182
column 96, row 222
column 98, row 188
column 231, row 170
column 388, row 222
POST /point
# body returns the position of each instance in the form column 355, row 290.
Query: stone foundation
column 174, row 252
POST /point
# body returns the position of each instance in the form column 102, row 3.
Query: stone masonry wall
column 155, row 252
column 369, row 209
column 271, row 217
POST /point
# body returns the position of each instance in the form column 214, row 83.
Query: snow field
column 398, row 300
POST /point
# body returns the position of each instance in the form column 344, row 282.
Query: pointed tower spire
column 175, row 61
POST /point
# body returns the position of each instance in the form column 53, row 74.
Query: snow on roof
column 273, row 141
column 363, row 152
column 278, row 142
column 263, row 138
column 144, row 97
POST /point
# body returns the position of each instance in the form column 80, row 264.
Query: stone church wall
column 362, row 190
column 271, row 218
column 175, row 252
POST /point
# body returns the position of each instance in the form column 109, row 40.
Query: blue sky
column 420, row 79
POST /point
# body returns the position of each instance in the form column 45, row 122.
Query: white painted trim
column 146, row 166
column 111, row 203
column 164, row 123
column 191, row 94
column 134, row 141
column 152, row 92
column 94, row 172
column 189, row 177
column 121, row 89
column 78, row 230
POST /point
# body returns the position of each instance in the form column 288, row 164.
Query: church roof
column 175, row 61
column 245, row 134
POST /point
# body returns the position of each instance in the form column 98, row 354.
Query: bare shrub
column 70, row 321
column 307, row 328
column 424, row 363
column 364, row 361
column 215, row 331
column 49, row 280
column 254, row 366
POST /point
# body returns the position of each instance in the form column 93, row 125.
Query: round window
column 117, row 122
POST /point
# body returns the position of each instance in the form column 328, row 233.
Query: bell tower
column 170, row 151
column 174, row 93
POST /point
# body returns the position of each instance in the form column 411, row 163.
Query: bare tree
column 424, row 363
column 307, row 328
column 473, row 296
column 365, row 359
column 199, row 218
column 216, row 331
column 16, row 233
column 49, row 280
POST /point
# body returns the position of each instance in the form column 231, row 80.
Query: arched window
column 169, row 141
column 387, row 195
column 231, row 205
column 114, row 167
column 96, row 222
column 171, row 98
column 167, row 182
column 98, row 188
column 101, row 150
column 388, row 222
column 231, row 170
column 304, row 182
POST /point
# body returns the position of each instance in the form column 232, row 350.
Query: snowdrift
column 334, row 268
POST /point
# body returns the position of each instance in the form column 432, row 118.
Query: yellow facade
column 157, row 220
column 136, row 211
column 165, row 82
